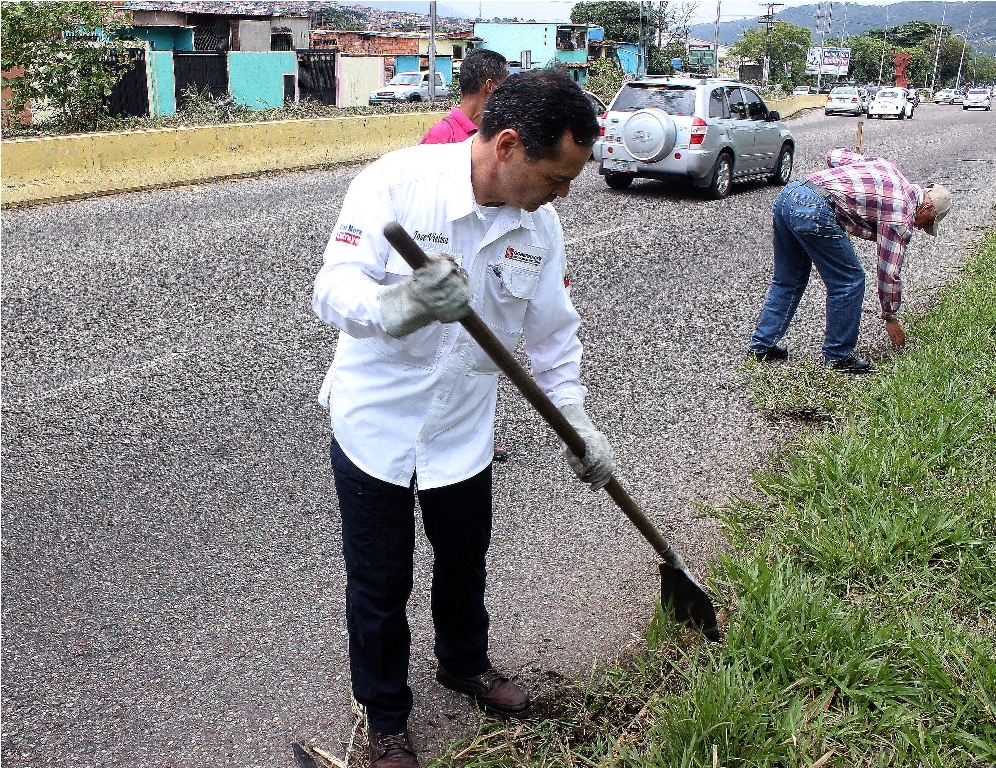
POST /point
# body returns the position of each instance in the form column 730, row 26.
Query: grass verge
column 860, row 585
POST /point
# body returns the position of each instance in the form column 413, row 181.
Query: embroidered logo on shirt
column 526, row 258
column 431, row 237
column 348, row 234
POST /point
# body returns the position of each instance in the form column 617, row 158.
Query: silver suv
column 712, row 130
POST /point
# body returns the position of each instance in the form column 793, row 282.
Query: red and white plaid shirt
column 874, row 201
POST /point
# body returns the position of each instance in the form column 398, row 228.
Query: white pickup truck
column 409, row 86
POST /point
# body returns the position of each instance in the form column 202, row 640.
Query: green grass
column 860, row 587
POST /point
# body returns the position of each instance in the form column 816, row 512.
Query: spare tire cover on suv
column 649, row 135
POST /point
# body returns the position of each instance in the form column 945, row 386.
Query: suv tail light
column 854, row 100
column 601, row 124
column 699, row 128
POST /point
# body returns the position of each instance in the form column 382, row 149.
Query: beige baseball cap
column 941, row 199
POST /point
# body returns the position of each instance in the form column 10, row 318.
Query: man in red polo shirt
column 481, row 72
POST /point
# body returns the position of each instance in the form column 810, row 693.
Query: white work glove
column 597, row 465
column 438, row 291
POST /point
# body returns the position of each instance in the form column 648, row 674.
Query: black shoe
column 500, row 453
column 491, row 691
column 777, row 352
column 851, row 364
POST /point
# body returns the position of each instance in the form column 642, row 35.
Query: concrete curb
column 54, row 168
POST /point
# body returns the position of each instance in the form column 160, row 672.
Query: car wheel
column 722, row 178
column 825, row 113
column 965, row 109
column 619, row 180
column 415, row 97
column 783, row 168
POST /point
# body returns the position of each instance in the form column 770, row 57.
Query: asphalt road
column 172, row 574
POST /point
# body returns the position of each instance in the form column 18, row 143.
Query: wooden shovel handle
column 479, row 331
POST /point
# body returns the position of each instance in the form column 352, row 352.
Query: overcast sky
column 560, row 10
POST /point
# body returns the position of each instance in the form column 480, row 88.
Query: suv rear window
column 675, row 100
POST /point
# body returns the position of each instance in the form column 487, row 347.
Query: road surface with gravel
column 172, row 573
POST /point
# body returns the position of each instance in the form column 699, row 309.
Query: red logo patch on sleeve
column 348, row 234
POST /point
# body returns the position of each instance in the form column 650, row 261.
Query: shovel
column 679, row 590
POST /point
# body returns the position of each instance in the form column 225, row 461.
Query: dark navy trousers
column 378, row 544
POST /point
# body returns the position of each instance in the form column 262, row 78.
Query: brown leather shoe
column 391, row 751
column 493, row 693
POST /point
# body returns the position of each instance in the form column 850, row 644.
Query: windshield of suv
column 411, row 78
column 844, row 92
column 673, row 99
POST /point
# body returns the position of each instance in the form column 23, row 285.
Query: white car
column 844, row 100
column 978, row 98
column 891, row 102
column 944, row 96
column 801, row 90
column 409, row 86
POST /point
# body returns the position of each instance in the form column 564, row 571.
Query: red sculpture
column 901, row 60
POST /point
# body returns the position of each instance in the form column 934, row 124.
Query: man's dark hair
column 479, row 66
column 540, row 105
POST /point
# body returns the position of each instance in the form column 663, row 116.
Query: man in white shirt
column 412, row 397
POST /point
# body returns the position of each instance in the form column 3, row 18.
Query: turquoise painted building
column 165, row 38
column 256, row 79
column 630, row 58
column 538, row 44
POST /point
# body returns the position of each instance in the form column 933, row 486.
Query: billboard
column 700, row 56
column 828, row 61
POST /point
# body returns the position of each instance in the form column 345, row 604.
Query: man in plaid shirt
column 868, row 198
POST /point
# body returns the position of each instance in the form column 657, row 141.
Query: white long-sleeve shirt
column 426, row 402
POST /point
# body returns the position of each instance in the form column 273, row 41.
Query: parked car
column 801, row 90
column 844, row 100
column 891, row 102
column 715, row 131
column 958, row 97
column 978, row 98
column 944, row 96
column 409, row 86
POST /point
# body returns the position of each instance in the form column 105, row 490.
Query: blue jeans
column 378, row 543
column 807, row 234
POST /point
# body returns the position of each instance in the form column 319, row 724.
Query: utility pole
column 432, row 51
column 885, row 44
column 843, row 32
column 768, row 20
column 716, row 51
column 937, row 56
column 965, row 46
column 821, row 20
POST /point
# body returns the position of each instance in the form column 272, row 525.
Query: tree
column 664, row 26
column 789, row 44
column 70, row 57
column 917, row 38
column 605, row 78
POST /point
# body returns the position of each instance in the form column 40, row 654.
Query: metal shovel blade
column 687, row 601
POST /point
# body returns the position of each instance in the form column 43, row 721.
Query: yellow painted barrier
column 793, row 104
column 51, row 168
column 46, row 169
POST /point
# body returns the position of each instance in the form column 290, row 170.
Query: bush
column 70, row 59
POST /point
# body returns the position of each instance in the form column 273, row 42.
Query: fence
column 316, row 75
